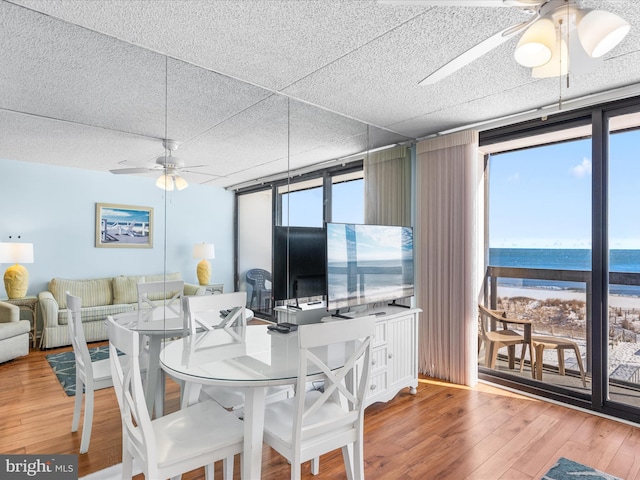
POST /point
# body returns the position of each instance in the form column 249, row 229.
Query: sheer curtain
column 449, row 262
column 387, row 183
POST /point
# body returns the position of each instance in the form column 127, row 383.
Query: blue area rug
column 64, row 366
column 566, row 469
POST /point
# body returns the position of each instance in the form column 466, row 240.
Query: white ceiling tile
column 253, row 88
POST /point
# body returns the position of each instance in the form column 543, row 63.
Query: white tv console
column 394, row 353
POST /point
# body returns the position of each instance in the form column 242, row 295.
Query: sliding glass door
column 539, row 226
column 623, row 348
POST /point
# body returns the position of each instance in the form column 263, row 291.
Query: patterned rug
column 566, row 469
column 64, row 366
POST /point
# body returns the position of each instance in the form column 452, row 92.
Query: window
column 347, row 198
column 301, row 204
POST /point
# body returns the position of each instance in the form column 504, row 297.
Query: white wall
column 54, row 208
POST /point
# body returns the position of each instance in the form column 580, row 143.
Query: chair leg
column 539, row 359
column 579, row 359
column 88, row 419
column 77, row 404
column 490, row 355
column 512, row 354
column 315, row 466
column 127, row 464
column 523, row 350
column 560, row 360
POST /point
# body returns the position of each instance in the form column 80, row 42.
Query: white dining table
column 250, row 358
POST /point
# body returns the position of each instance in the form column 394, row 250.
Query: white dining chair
column 193, row 437
column 169, row 292
column 208, row 312
column 313, row 422
column 90, row 375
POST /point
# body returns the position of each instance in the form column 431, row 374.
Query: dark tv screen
column 368, row 264
column 299, row 263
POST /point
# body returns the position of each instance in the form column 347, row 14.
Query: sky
column 541, row 197
column 306, row 205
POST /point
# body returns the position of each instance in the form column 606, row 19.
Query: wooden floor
column 444, row 432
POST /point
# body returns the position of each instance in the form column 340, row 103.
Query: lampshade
column 16, row 277
column 203, row 270
column 600, row 31
column 536, row 44
column 204, row 250
column 16, row 252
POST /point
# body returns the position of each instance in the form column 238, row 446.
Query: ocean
column 563, row 259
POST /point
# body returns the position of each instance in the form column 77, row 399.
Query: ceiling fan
column 168, row 165
column 560, row 37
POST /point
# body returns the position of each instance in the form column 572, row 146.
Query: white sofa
column 100, row 297
column 14, row 333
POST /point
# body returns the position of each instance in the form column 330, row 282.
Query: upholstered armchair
column 14, row 333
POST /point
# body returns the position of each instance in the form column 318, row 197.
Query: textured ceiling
column 255, row 88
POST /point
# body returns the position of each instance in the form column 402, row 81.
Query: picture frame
column 123, row 226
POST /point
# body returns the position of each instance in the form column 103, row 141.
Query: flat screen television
column 368, row 264
column 299, row 263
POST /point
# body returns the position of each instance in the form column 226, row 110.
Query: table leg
column 253, row 432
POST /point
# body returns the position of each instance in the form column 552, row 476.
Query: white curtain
column 449, row 261
column 387, row 183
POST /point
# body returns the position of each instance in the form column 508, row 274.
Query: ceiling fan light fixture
column 600, row 31
column 557, row 66
column 180, row 182
column 536, row 44
column 165, row 182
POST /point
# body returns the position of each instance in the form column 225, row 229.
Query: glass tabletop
column 244, row 355
column 152, row 320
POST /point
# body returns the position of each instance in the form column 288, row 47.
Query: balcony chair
column 495, row 339
column 89, row 375
column 313, row 423
column 260, row 294
column 171, row 445
column 540, row 343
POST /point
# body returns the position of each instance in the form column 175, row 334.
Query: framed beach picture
column 123, row 226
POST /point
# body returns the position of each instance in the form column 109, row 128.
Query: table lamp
column 204, row 251
column 16, row 277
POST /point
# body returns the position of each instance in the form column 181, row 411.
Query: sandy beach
column 567, row 319
column 615, row 301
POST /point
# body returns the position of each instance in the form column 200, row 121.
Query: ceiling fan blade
column 464, row 3
column 476, row 52
column 201, row 173
column 131, row 170
column 194, row 166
